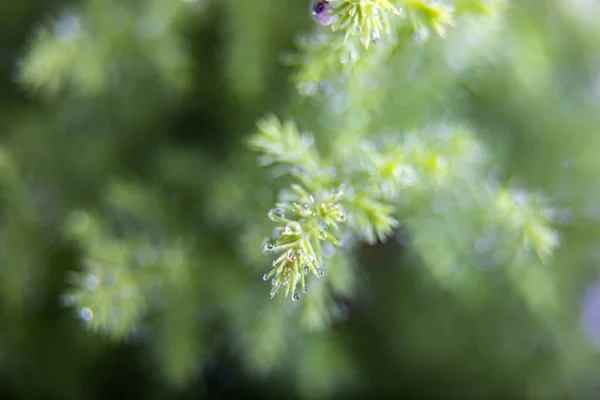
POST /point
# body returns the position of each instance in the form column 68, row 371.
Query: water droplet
column 274, row 291
column 67, row 28
column 305, row 289
column 266, row 160
column 307, row 210
column 521, row 197
column 275, row 214
column 86, row 314
column 307, row 270
column 296, row 297
column 275, row 233
column 293, row 228
column 328, row 250
column 268, row 247
column 265, row 277
column 320, row 272
column 422, row 35
column 299, row 252
column 308, row 140
column 406, row 175
column 325, row 86
column 322, row 235
column 92, row 282
column 321, row 11
column 481, row 245
column 307, row 89
column 300, row 171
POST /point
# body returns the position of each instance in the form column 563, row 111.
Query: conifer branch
column 379, row 181
column 365, row 32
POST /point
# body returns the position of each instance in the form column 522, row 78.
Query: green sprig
column 281, row 143
column 368, row 18
column 381, row 181
column 302, row 225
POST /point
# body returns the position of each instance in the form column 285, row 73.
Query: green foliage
column 369, row 31
column 381, row 183
column 431, row 186
column 369, row 19
column 78, row 50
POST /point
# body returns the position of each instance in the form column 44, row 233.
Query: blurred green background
column 132, row 212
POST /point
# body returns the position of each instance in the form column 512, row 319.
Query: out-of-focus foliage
column 134, row 215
